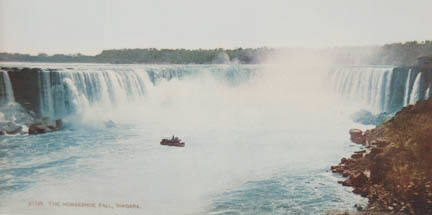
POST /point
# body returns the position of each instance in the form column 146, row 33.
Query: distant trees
column 181, row 56
column 42, row 57
column 403, row 53
column 390, row 54
column 150, row 56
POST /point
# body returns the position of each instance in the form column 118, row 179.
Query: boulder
column 337, row 169
column 355, row 131
column 363, row 191
column 344, row 160
column 374, row 152
column 357, row 136
column 346, row 173
column 380, row 143
column 356, row 155
column 356, row 180
column 45, row 125
column 10, row 128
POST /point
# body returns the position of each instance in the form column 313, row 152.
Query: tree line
column 390, row 54
column 150, row 56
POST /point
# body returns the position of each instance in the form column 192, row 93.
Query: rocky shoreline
column 38, row 126
column 394, row 171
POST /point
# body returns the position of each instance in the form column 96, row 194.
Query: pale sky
column 89, row 26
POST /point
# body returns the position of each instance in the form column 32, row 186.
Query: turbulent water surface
column 259, row 140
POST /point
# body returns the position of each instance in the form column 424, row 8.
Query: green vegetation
column 402, row 53
column 390, row 54
column 151, row 56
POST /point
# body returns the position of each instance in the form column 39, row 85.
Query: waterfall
column 57, row 91
column 46, row 94
column 382, row 89
column 10, row 111
column 67, row 91
column 407, row 88
column 368, row 85
column 387, row 91
column 6, row 92
column 427, row 95
column 415, row 94
column 230, row 74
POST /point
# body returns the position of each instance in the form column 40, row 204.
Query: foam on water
column 261, row 146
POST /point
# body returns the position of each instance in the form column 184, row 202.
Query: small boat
column 174, row 141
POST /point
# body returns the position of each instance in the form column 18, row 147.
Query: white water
column 379, row 88
column 388, row 90
column 407, row 88
column 415, row 94
column 9, row 110
column 428, row 93
column 368, row 86
column 261, row 147
column 8, row 92
column 82, row 88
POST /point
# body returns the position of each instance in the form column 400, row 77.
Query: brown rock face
column 356, row 155
column 46, row 125
column 374, row 152
column 26, row 87
column 380, row 143
column 395, row 173
column 357, row 136
column 358, row 179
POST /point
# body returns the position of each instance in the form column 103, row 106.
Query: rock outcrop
column 10, row 128
column 26, row 86
column 45, row 125
column 395, row 170
column 357, row 136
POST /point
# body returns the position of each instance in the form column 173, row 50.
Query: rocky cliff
column 395, row 170
column 26, row 86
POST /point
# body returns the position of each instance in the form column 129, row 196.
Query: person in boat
column 175, row 139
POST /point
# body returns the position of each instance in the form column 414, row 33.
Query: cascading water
column 10, row 111
column 415, row 93
column 407, row 89
column 381, row 89
column 6, row 92
column 368, row 85
column 66, row 91
column 248, row 146
column 46, row 94
column 428, row 93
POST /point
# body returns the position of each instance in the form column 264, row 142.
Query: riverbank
column 395, row 170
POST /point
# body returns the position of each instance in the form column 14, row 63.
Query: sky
column 90, row 26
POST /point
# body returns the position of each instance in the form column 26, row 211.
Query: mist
column 283, row 117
